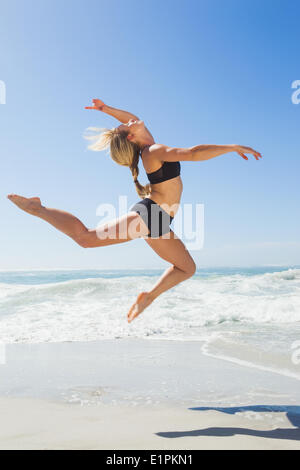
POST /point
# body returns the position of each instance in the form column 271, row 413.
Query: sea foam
column 91, row 308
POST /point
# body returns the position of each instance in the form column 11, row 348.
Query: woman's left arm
column 122, row 116
column 206, row 152
column 198, row 153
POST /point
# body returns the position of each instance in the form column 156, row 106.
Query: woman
column 151, row 217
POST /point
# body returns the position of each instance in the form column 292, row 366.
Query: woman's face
column 133, row 127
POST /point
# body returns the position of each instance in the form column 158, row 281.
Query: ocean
column 250, row 316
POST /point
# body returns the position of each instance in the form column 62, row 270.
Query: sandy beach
column 35, row 424
column 141, row 394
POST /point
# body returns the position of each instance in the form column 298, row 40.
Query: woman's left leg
column 116, row 231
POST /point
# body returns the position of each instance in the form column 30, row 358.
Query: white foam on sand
column 256, row 361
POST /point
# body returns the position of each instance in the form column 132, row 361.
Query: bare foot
column 30, row 205
column 142, row 302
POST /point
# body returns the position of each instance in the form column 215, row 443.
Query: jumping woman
column 152, row 215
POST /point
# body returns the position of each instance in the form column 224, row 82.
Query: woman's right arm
column 122, row 116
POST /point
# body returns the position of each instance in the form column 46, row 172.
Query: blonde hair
column 122, row 151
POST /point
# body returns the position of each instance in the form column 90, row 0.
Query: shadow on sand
column 292, row 413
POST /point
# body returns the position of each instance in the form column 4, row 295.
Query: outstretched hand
column 98, row 105
column 242, row 150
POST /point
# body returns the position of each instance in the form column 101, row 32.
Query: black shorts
column 155, row 217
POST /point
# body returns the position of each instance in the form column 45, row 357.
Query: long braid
column 122, row 151
column 142, row 191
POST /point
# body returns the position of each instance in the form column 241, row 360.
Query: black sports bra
column 167, row 171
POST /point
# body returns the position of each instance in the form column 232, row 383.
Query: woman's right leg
column 116, row 231
column 173, row 250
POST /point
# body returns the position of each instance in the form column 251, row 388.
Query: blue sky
column 198, row 72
